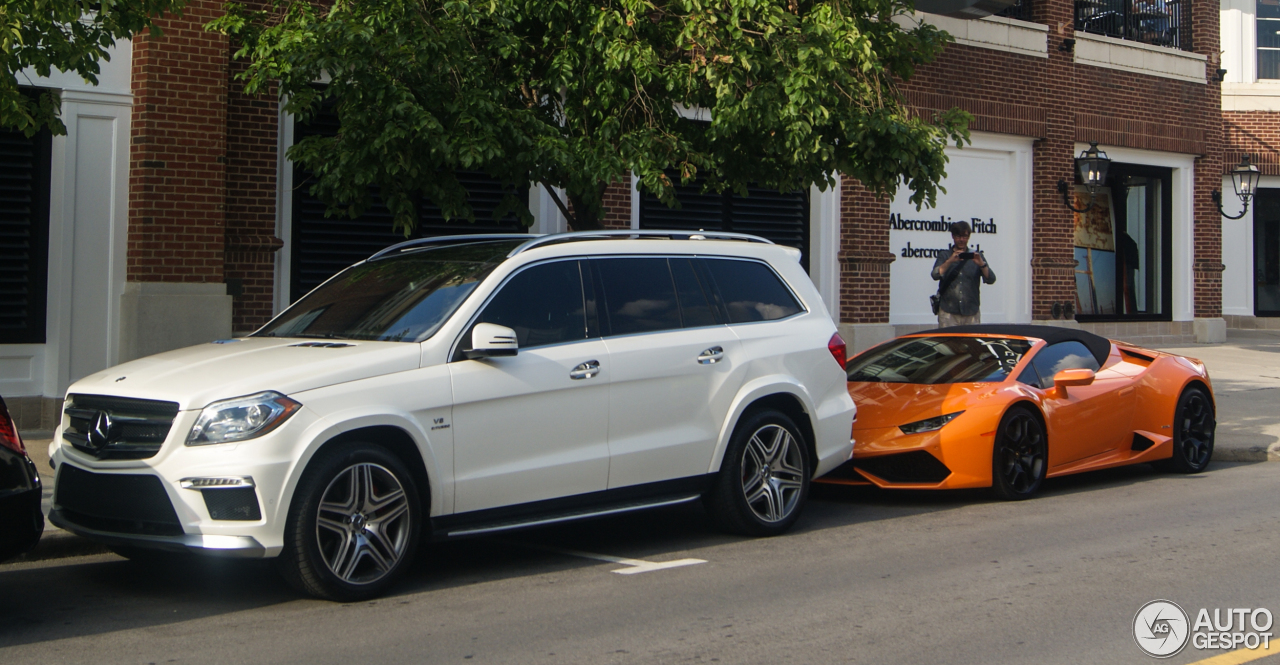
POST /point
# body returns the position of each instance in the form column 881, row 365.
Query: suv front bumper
column 208, row 544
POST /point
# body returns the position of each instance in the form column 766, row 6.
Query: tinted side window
column 543, row 304
column 1063, row 355
column 639, row 295
column 752, row 291
column 696, row 308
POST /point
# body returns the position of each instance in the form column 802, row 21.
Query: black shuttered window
column 780, row 217
column 322, row 246
column 24, row 236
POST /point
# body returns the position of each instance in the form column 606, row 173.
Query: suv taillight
column 836, row 346
column 8, row 432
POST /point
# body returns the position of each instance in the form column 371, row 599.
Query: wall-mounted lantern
column 1244, row 177
column 1092, row 165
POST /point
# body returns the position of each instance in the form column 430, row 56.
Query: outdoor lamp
column 1244, row 177
column 1092, row 165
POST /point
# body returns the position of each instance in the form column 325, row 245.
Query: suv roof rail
column 450, row 240
column 574, row 236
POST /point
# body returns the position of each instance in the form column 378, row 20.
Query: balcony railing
column 1020, row 10
column 1156, row 22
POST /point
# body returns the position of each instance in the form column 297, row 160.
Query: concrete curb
column 1255, row 454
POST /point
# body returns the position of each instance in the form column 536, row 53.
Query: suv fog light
column 213, row 483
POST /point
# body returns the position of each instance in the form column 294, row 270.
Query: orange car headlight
column 929, row 424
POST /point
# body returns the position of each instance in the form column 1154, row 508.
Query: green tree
column 67, row 35
column 575, row 94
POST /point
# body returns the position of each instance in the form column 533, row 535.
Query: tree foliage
column 573, row 94
column 67, row 35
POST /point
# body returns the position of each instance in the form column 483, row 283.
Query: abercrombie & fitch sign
column 941, row 225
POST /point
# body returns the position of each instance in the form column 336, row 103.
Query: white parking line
column 634, row 566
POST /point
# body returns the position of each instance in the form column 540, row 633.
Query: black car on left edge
column 21, row 521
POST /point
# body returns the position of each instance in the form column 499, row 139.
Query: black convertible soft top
column 1099, row 346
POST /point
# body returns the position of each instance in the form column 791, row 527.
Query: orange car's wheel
column 1018, row 461
column 1193, row 427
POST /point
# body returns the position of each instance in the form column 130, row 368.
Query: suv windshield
column 931, row 360
column 397, row 298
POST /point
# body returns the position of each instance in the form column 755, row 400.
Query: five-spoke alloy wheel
column 1019, row 459
column 1193, row 428
column 764, row 478
column 353, row 524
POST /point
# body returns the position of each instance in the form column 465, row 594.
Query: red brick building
column 201, row 229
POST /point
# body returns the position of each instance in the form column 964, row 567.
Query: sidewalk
column 1245, row 372
column 1246, row 383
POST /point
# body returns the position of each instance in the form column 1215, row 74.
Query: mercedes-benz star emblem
column 99, row 432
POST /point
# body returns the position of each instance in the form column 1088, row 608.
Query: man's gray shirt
column 961, row 297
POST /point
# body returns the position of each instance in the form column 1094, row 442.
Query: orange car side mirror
column 1072, row 377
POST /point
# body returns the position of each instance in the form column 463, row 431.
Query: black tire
column 1019, row 458
column 764, row 479
column 1193, row 430
column 353, row 524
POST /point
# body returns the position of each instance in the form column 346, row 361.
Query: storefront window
column 1266, row 253
column 1268, row 39
column 1122, row 246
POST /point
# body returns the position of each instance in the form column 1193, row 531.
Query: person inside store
column 959, row 273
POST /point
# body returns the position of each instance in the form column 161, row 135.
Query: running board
column 616, row 509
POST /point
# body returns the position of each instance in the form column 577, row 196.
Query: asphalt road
column 868, row 577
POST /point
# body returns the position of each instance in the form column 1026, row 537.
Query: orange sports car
column 1006, row 406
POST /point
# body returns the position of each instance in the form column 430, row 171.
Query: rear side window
column 1057, row 357
column 639, row 295
column 752, row 291
column 543, row 304
column 697, row 308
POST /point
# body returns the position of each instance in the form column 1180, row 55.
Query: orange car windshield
column 933, row 360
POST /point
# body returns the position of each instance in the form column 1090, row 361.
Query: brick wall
column 1255, row 133
column 617, row 203
column 1058, row 103
column 864, row 255
column 177, row 163
column 251, row 242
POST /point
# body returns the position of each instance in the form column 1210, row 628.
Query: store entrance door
column 1266, row 253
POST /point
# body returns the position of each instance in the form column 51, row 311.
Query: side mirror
column 1072, row 377
column 489, row 340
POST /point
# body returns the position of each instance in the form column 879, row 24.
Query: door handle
column 711, row 356
column 585, row 370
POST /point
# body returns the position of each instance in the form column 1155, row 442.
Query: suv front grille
column 118, row 427
column 118, row 503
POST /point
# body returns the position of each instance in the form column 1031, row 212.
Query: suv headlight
column 241, row 418
column 928, row 425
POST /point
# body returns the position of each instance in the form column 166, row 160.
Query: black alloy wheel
column 764, row 477
column 1020, row 456
column 353, row 524
column 1193, row 428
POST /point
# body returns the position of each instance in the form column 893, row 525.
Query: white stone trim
column 22, row 370
column 547, row 217
column 1131, row 56
column 88, row 238
column 996, row 33
column 1182, row 280
column 824, row 245
column 1257, row 96
column 635, row 201
column 1238, row 297
column 284, row 208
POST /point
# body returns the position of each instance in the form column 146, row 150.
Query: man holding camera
column 958, row 274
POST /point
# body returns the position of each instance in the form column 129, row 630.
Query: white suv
column 467, row 385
